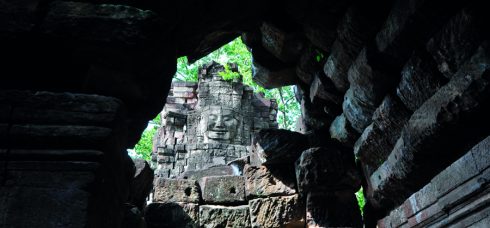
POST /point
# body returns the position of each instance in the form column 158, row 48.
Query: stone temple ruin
column 209, row 123
column 394, row 97
column 202, row 155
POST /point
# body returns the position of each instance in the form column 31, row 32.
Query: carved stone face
column 221, row 125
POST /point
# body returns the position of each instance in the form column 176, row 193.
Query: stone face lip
column 169, row 215
column 223, row 189
column 262, row 181
column 284, row 211
column 176, row 190
column 326, row 168
column 211, row 216
column 274, row 146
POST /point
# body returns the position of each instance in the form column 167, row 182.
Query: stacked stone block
column 63, row 154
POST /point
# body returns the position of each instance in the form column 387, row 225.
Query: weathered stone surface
column 268, row 181
column 326, row 168
column 222, row 216
column 282, row 211
column 169, row 215
column 308, row 65
column 133, row 218
column 458, row 197
column 273, row 146
column 142, row 183
column 457, row 41
column 406, row 23
column 332, row 209
column 283, row 45
column 239, row 164
column 176, row 190
column 213, row 171
column 342, row 131
column 369, row 83
column 212, row 128
column 359, row 24
column 223, row 189
column 378, row 139
column 322, row 88
column 435, row 130
column 99, row 22
column 420, row 80
column 273, row 78
column 319, row 20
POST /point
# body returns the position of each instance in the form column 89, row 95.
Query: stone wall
column 63, row 155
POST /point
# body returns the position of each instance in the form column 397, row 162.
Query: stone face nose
column 219, row 123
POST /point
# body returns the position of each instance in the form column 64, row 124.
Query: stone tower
column 209, row 123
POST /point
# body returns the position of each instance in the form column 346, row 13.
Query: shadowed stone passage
column 401, row 85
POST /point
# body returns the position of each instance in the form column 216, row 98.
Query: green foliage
column 144, row 146
column 361, row 201
column 228, row 75
column 157, row 120
column 319, row 57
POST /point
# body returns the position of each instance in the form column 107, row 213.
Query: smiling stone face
column 221, row 125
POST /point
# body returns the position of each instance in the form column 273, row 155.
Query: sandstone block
column 457, row 42
column 223, row 189
column 283, row 211
column 342, row 131
column 420, row 80
column 221, row 170
column 273, row 146
column 113, row 23
column 332, row 209
column 172, row 214
column 378, row 139
column 142, row 183
column 273, row 78
column 435, row 130
column 326, row 168
column 211, row 216
column 283, row 45
column 176, row 190
column 266, row 181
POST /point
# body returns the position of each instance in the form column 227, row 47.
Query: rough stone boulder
column 223, row 189
column 211, row 216
column 332, row 209
column 142, row 183
column 281, row 211
column 273, row 146
column 220, row 170
column 436, row 130
column 265, row 181
column 176, row 190
column 326, row 168
column 170, row 215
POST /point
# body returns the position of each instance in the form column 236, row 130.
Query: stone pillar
column 63, row 161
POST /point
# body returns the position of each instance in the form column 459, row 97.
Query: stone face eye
column 212, row 117
column 227, row 118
